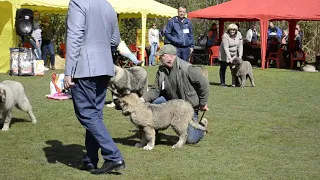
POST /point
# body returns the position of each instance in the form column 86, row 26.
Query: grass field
column 271, row 131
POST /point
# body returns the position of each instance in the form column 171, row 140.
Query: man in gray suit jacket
column 92, row 28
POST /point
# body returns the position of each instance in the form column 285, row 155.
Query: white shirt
column 249, row 35
column 153, row 36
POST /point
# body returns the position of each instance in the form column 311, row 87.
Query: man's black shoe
column 87, row 167
column 109, row 166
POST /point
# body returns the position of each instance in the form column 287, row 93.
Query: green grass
column 267, row 132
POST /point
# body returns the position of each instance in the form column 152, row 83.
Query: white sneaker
column 111, row 105
column 204, row 122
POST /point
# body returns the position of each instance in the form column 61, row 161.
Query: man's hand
column 204, row 108
column 68, row 82
column 191, row 50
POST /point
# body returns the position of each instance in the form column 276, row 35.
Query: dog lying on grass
column 150, row 117
column 308, row 68
column 241, row 70
column 12, row 94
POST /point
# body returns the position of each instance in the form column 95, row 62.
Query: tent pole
column 143, row 34
column 221, row 26
column 264, row 35
column 292, row 27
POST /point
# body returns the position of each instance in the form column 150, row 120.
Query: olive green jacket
column 183, row 81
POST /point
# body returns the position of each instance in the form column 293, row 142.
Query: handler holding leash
column 178, row 79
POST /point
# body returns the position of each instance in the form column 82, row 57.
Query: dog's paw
column 34, row 121
column 5, row 128
column 147, row 147
column 139, row 145
column 176, row 146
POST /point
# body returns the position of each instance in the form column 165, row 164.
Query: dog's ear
column 2, row 95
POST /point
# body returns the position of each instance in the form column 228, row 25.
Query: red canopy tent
column 264, row 11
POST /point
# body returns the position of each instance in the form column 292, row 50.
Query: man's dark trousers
column 88, row 96
column 183, row 53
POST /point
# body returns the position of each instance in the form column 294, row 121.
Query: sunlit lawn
column 270, row 131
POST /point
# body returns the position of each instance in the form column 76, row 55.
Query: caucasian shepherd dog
column 12, row 94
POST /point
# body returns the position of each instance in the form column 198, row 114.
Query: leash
column 202, row 115
column 201, row 119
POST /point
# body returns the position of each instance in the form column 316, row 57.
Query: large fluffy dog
column 241, row 70
column 150, row 117
column 128, row 80
column 12, row 94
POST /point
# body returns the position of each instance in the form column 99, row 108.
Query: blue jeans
column 183, row 53
column 48, row 48
column 38, row 49
column 88, row 97
column 194, row 135
column 153, row 49
column 132, row 57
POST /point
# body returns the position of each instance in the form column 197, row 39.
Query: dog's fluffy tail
column 196, row 125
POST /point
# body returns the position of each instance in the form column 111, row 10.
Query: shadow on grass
column 70, row 155
column 16, row 120
column 161, row 139
column 214, row 84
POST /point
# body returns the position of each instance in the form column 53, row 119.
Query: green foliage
column 128, row 27
column 270, row 131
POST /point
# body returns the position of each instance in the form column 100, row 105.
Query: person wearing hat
column 230, row 48
column 178, row 79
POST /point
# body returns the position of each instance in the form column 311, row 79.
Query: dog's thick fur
column 129, row 80
column 150, row 117
column 12, row 94
column 241, row 70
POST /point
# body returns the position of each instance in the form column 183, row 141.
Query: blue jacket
column 278, row 31
column 179, row 33
column 92, row 29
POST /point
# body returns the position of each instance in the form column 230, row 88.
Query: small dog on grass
column 12, row 94
column 148, row 117
column 241, row 70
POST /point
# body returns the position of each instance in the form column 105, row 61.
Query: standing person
column 48, row 43
column 179, row 33
column 92, row 28
column 153, row 36
column 230, row 48
column 252, row 34
column 36, row 39
column 300, row 33
column 212, row 36
column 177, row 79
